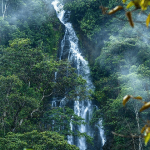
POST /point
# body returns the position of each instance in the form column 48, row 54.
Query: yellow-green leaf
column 147, row 137
column 126, row 98
column 129, row 16
column 130, row 4
column 142, row 2
column 143, row 129
column 117, row 8
column 138, row 97
column 145, row 106
column 147, row 130
column 148, row 20
column 124, row 1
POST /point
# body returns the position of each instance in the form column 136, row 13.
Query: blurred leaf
column 126, row 98
column 143, row 129
column 147, row 137
column 138, row 97
column 129, row 16
column 117, row 8
column 130, row 4
column 148, row 20
column 145, row 106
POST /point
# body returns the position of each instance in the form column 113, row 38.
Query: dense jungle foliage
column 120, row 65
column 30, row 35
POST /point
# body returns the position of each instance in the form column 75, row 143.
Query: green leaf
column 147, row 137
column 148, row 20
column 130, row 4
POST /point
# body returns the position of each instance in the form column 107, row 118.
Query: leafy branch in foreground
column 137, row 4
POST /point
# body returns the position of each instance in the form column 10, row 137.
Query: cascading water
column 69, row 48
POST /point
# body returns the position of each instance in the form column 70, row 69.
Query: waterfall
column 70, row 50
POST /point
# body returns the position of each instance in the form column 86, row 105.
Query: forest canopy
column 30, row 35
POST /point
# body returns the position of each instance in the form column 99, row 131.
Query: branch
column 130, row 136
column 127, row 20
column 48, row 95
column 45, row 95
column 4, row 9
column 35, row 110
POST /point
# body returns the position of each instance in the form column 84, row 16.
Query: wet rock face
column 66, row 17
column 108, row 145
column 66, row 44
column 89, row 49
column 97, row 141
column 63, row 32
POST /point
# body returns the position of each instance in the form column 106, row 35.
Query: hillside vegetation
column 120, row 66
column 30, row 36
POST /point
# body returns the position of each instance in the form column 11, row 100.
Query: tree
column 122, row 68
column 16, row 103
column 58, row 119
column 29, row 83
column 47, row 140
column 29, row 42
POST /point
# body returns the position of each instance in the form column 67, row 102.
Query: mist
column 28, row 10
column 114, row 41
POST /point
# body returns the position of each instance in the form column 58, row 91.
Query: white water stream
column 81, row 108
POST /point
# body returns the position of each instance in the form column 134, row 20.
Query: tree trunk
column 138, row 124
